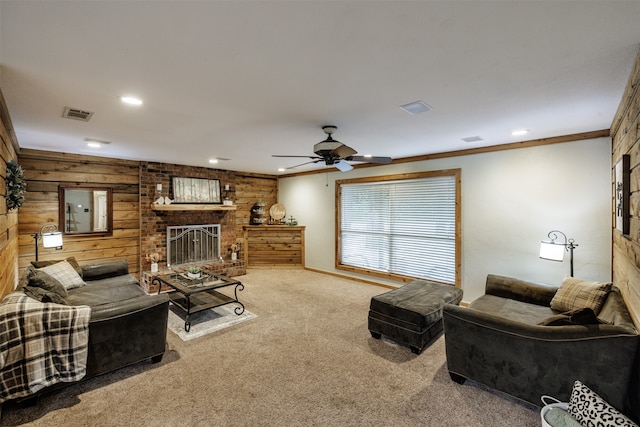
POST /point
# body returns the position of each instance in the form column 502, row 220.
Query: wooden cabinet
column 273, row 246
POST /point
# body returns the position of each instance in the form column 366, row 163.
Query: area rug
column 206, row 321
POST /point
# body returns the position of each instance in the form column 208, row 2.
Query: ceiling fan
column 335, row 153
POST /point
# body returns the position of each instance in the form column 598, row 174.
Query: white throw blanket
column 40, row 344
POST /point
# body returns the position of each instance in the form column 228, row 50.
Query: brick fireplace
column 153, row 224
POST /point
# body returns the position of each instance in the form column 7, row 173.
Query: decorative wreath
column 16, row 185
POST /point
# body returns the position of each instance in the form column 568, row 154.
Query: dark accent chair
column 497, row 341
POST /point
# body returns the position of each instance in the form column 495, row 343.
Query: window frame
column 456, row 173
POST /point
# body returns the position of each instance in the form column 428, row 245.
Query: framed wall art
column 196, row 190
column 622, row 192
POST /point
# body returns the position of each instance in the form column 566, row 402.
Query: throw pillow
column 591, row 410
column 65, row 274
column 581, row 316
column 576, row 293
column 43, row 295
column 42, row 287
column 71, row 260
column 41, row 279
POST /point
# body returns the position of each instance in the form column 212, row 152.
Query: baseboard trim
column 355, row 279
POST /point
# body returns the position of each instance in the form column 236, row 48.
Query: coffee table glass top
column 205, row 282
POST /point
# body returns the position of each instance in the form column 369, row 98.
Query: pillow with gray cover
column 44, row 288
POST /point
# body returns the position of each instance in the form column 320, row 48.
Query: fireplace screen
column 193, row 243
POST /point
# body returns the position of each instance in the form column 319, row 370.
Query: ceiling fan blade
column 370, row 159
column 302, row 157
column 305, row 163
column 343, row 151
column 343, row 166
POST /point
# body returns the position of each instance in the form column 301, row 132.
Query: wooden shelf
column 192, row 207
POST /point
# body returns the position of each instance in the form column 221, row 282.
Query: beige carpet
column 307, row 359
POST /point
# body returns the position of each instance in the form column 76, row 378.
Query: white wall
column 510, row 201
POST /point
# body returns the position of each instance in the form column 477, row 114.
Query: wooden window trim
column 457, row 173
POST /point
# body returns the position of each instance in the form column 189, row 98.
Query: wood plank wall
column 249, row 190
column 625, row 133
column 8, row 220
column 45, row 171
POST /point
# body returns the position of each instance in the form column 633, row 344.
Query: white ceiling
column 247, row 79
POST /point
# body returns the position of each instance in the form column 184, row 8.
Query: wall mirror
column 85, row 210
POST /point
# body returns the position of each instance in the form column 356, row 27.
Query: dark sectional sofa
column 498, row 341
column 126, row 326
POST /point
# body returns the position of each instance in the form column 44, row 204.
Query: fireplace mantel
column 192, row 207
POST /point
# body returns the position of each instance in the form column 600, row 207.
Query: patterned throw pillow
column 576, row 293
column 47, row 262
column 64, row 273
column 592, row 410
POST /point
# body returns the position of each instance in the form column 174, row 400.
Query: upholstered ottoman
column 412, row 314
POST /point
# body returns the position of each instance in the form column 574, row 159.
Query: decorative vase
column 193, row 275
column 234, row 256
column 154, row 267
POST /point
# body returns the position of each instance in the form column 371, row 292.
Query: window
column 400, row 226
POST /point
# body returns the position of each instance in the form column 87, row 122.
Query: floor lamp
column 51, row 237
column 554, row 250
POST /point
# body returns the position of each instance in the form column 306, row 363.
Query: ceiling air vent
column 76, row 114
column 416, row 107
column 472, row 139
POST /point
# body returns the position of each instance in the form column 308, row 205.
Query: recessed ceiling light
column 281, row 169
column 416, row 107
column 520, row 132
column 95, row 143
column 131, row 100
column 215, row 160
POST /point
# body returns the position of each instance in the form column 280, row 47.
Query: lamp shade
column 552, row 251
column 52, row 240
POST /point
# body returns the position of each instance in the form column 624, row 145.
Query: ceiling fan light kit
column 335, row 153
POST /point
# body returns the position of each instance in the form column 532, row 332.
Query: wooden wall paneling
column 46, row 171
column 8, row 220
column 625, row 133
column 134, row 188
column 249, row 190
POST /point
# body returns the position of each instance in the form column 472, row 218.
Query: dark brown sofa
column 126, row 325
column 497, row 341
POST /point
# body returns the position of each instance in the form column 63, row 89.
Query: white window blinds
column 404, row 227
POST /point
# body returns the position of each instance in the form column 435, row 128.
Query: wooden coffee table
column 194, row 295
